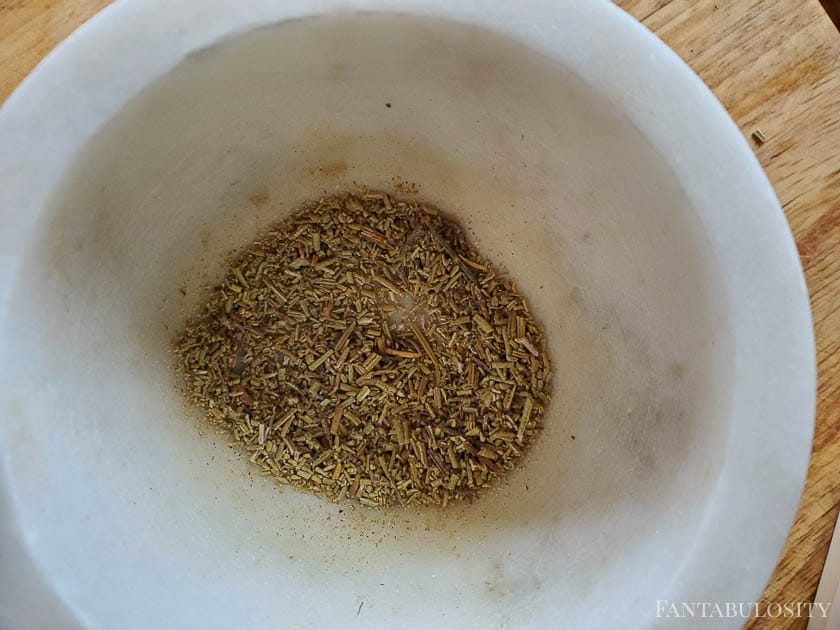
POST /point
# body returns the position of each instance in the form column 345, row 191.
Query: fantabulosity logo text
column 666, row 609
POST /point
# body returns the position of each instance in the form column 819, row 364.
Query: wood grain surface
column 775, row 65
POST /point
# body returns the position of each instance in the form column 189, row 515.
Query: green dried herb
column 363, row 349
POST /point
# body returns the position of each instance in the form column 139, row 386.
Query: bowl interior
column 160, row 516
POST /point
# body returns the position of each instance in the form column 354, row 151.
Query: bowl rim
column 74, row 90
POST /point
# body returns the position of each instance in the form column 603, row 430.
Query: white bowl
column 583, row 155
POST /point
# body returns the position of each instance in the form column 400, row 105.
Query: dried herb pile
column 363, row 349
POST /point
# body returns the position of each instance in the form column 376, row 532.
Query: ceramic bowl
column 581, row 154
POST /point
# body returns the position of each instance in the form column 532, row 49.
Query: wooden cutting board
column 775, row 65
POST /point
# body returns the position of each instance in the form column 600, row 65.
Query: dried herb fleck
column 363, row 349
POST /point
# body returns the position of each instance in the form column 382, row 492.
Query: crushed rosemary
column 363, row 349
